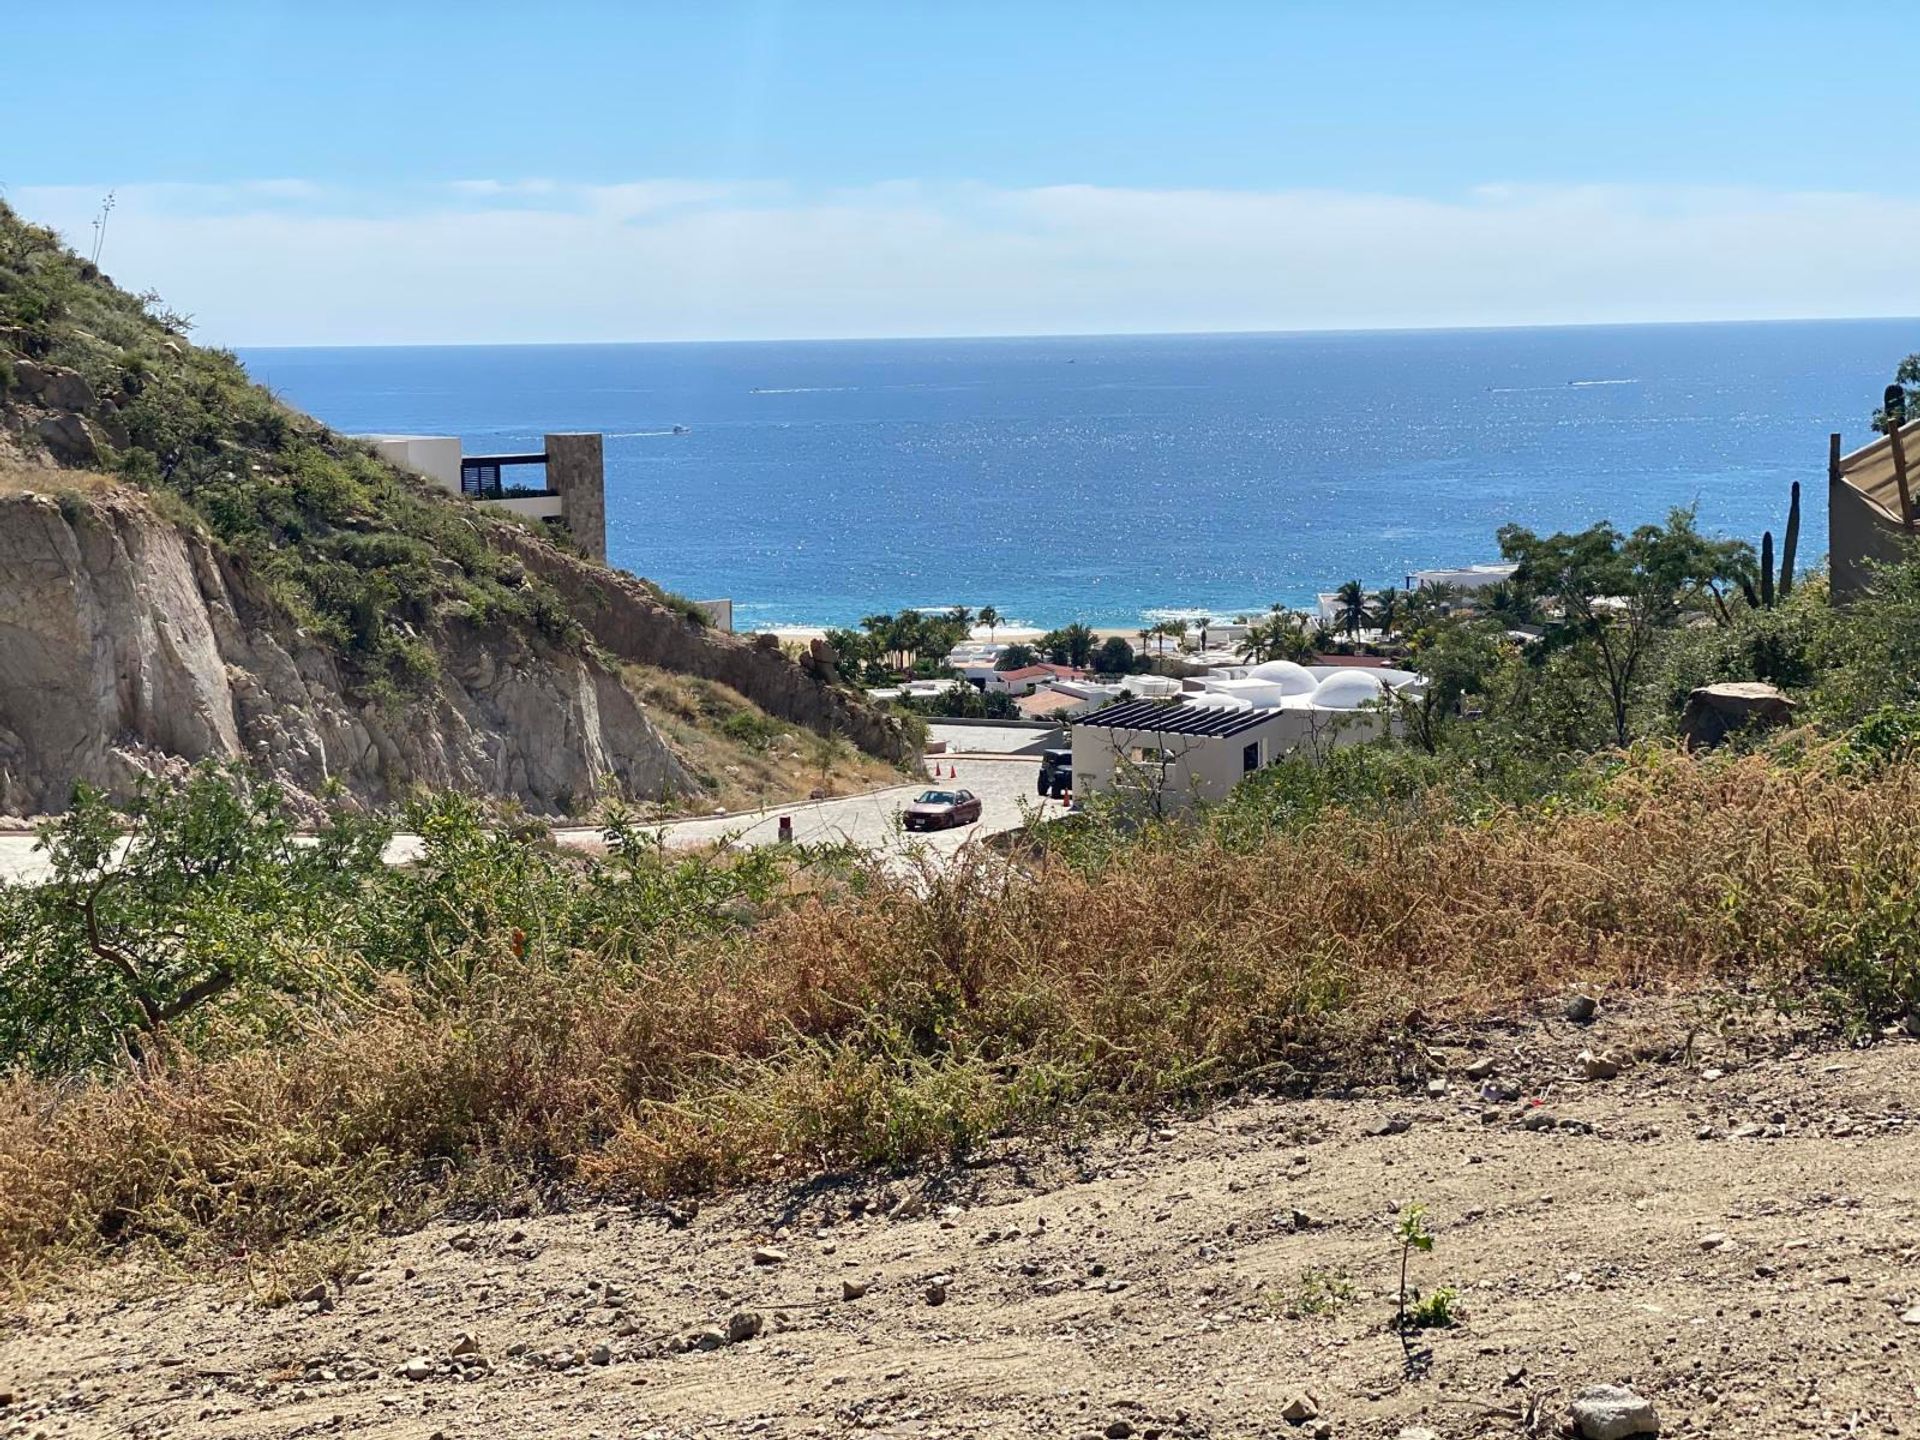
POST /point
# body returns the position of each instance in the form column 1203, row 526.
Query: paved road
column 869, row 820
column 989, row 739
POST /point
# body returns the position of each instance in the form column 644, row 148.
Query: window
column 1250, row 757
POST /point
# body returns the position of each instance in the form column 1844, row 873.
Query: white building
column 1466, row 577
column 1175, row 754
column 564, row 485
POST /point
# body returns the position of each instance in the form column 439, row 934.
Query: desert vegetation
column 499, row 1021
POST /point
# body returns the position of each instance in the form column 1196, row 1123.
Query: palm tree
column 1261, row 641
column 1201, row 623
column 1386, row 608
column 963, row 617
column 1078, row 642
column 1353, row 607
column 990, row 618
column 1507, row 603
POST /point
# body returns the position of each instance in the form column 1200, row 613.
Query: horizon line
column 1331, row 330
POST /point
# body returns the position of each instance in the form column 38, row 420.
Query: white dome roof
column 1349, row 690
column 1291, row 678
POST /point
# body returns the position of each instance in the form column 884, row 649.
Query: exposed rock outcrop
column 1713, row 712
column 629, row 622
column 130, row 646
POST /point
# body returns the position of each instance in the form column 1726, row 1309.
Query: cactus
column 1766, row 570
column 1791, row 545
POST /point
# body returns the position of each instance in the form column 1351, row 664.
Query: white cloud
column 505, row 260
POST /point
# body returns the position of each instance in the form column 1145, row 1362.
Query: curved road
column 1005, row 782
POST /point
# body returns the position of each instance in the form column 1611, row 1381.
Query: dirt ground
column 1731, row 1234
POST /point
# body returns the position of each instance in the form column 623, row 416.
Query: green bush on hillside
column 362, row 556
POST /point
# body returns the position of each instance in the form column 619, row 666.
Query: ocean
column 1112, row 479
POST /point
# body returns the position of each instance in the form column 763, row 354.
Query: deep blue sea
column 1105, row 478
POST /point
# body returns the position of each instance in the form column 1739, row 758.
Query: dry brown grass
column 21, row 477
column 892, row 1023
column 762, row 761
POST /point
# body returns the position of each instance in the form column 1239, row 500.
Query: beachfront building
column 1166, row 756
column 1873, row 507
column 1464, row 577
column 564, row 485
column 1027, row 678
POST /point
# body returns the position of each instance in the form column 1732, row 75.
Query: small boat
column 679, row 429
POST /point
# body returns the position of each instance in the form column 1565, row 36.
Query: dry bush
column 889, row 1023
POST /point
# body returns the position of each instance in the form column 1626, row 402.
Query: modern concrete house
column 564, row 485
column 1873, row 507
column 1171, row 755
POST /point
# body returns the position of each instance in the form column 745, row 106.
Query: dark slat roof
column 1180, row 719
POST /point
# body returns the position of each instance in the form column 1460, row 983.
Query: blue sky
column 422, row 172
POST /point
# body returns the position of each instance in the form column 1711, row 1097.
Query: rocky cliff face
column 129, row 645
column 132, row 641
column 628, row 622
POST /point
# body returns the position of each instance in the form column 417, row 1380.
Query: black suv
column 1056, row 773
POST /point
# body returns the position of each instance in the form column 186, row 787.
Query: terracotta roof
column 1047, row 702
column 1027, row 672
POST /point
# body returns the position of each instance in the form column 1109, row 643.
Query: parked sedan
column 939, row 809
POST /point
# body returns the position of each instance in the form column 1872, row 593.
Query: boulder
column 1713, row 712
column 52, row 386
column 1613, row 1412
column 69, row 438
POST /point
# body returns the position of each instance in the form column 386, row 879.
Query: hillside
column 193, row 570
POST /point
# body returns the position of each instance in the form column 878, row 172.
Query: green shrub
column 211, row 899
column 750, row 727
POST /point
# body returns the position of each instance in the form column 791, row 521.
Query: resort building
column 1873, row 507
column 1465, row 577
column 1169, row 755
column 563, row 485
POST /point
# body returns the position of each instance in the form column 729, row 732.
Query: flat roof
column 1178, row 719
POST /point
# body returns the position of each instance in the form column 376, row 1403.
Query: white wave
column 801, row 389
column 1583, row 384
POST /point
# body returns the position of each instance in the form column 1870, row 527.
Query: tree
column 1072, row 645
column 962, row 617
column 1282, row 635
column 1016, row 657
column 1386, row 608
column 851, row 650
column 211, row 898
column 1114, row 657
column 1614, row 594
column 1202, row 623
column 1352, row 615
column 1455, row 655
column 1505, row 602
column 990, row 618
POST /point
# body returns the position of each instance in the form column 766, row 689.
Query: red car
column 939, row 809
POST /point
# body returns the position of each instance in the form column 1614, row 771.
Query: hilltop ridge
column 195, row 570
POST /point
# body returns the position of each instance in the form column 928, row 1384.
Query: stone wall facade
column 576, row 467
